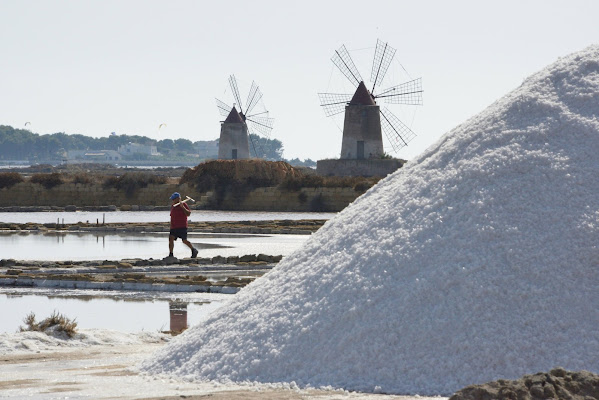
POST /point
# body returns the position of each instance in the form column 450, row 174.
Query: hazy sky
column 95, row 67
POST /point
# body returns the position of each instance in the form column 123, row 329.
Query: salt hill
column 477, row 261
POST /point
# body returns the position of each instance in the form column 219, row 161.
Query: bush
column 54, row 323
column 131, row 181
column 47, row 180
column 83, row 178
column 358, row 183
column 8, row 179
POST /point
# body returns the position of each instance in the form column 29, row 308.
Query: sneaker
column 194, row 253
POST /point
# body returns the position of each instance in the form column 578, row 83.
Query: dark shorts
column 179, row 233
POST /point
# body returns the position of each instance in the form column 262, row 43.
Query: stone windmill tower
column 234, row 139
column 365, row 120
column 236, row 129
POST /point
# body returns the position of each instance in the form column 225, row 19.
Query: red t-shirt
column 178, row 217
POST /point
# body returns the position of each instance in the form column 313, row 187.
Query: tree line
column 21, row 144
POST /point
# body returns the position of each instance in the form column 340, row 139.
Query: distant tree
column 296, row 162
column 270, row 149
column 165, row 146
column 183, row 145
column 23, row 144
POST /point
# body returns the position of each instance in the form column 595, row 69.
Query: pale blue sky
column 94, row 67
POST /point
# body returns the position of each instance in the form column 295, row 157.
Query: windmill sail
column 223, row 108
column 261, row 125
column 396, row 132
column 383, row 55
column 235, row 90
column 406, row 93
column 333, row 103
column 254, row 97
column 257, row 147
column 347, row 67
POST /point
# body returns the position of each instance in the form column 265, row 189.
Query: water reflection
column 178, row 316
column 90, row 312
column 152, row 216
column 62, row 246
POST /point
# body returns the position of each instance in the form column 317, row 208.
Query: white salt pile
column 477, row 261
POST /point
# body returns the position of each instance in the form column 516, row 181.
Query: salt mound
column 478, row 261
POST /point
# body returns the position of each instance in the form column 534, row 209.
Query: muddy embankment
column 296, row 227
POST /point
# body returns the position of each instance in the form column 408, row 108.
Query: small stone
column 559, row 372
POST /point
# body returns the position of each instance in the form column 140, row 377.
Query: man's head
column 176, row 196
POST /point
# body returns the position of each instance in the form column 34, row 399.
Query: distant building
column 136, row 148
column 207, row 149
column 104, row 156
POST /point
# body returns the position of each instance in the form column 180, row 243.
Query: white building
column 78, row 156
column 136, row 148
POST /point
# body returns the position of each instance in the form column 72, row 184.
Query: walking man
column 179, row 213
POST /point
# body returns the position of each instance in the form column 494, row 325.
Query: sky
column 95, row 67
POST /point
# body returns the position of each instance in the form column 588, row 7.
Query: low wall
column 261, row 199
column 354, row 167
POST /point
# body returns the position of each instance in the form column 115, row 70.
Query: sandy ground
column 104, row 372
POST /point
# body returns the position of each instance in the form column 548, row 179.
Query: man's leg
column 194, row 252
column 171, row 245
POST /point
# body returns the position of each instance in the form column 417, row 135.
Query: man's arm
column 186, row 209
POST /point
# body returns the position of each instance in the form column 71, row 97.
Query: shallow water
column 152, row 216
column 94, row 246
column 96, row 310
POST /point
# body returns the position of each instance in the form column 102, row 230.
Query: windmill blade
column 235, row 90
column 406, row 93
column 256, row 143
column 254, row 97
column 347, row 67
column 262, row 125
column 383, row 55
column 397, row 133
column 223, row 108
column 257, row 114
column 333, row 103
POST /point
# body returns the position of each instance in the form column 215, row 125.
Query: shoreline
column 296, row 227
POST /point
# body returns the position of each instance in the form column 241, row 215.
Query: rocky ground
column 216, row 274
column 556, row 384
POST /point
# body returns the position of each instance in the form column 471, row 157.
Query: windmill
column 238, row 125
column 364, row 119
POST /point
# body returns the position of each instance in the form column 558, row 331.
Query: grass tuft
column 54, row 323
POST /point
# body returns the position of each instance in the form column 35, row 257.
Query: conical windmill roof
column 362, row 96
column 234, row 117
column 477, row 261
